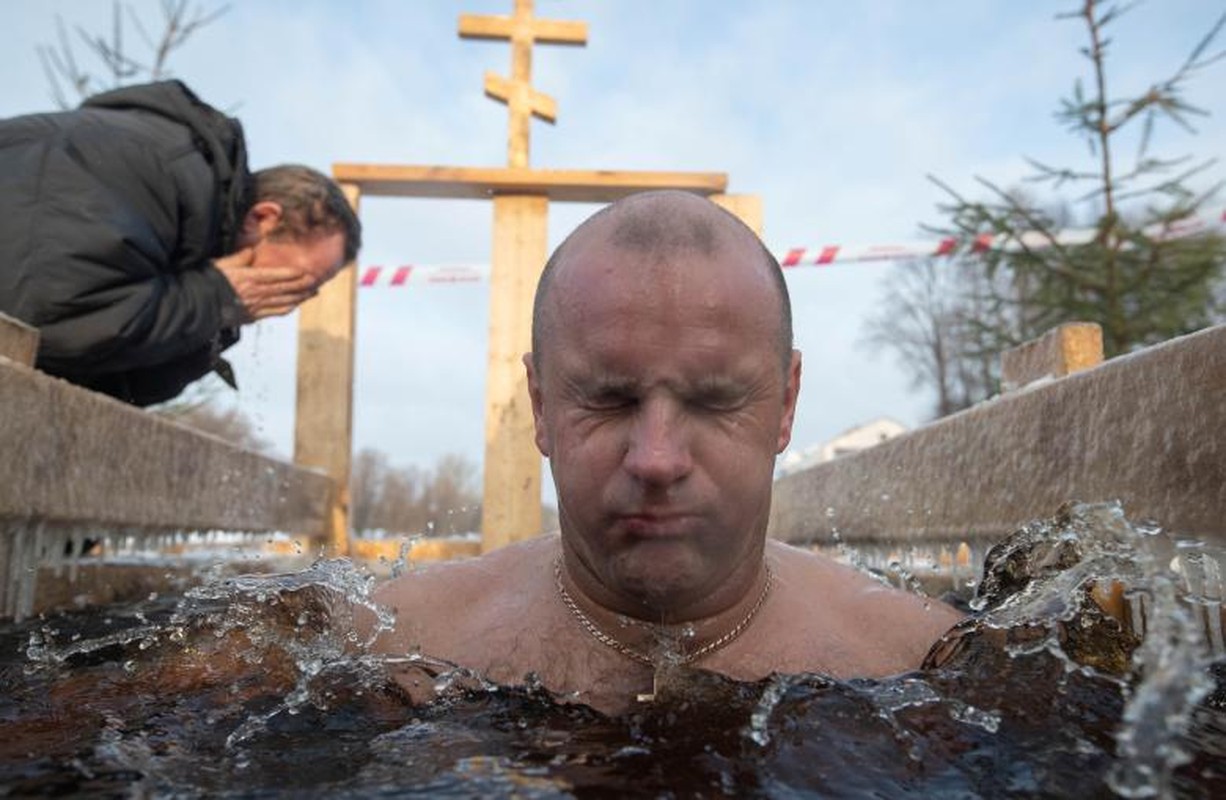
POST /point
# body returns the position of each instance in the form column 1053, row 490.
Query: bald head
column 659, row 226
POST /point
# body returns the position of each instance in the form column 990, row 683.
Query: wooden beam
column 542, row 106
column 482, row 183
column 511, row 509
column 544, row 31
column 323, row 423
column 1145, row 429
column 487, row 27
column 18, row 341
column 558, row 31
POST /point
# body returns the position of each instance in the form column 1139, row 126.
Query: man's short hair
column 643, row 230
column 311, row 202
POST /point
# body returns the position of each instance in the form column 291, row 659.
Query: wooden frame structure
column 521, row 197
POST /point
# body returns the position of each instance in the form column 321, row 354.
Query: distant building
column 849, row 441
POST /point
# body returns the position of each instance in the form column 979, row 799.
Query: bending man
column 134, row 238
column 663, row 383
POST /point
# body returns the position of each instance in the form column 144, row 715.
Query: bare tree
column 366, row 478
column 925, row 321
column 196, row 409
column 407, row 500
column 116, row 64
column 451, row 496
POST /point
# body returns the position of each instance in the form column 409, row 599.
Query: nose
column 658, row 452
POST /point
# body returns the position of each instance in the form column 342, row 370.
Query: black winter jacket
column 109, row 218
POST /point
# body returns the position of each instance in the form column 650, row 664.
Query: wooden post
column 18, row 341
column 1063, row 350
column 746, row 207
column 512, row 492
column 323, row 429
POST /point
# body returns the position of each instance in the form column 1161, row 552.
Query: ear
column 790, row 392
column 534, row 393
column 261, row 219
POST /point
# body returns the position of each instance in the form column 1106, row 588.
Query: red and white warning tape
column 823, row 255
column 414, row 274
column 1030, row 240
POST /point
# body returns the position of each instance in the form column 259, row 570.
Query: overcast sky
column 833, row 112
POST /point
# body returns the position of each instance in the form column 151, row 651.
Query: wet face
column 661, row 403
column 319, row 256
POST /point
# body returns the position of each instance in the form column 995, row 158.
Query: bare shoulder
column 441, row 607
column 467, row 578
column 878, row 629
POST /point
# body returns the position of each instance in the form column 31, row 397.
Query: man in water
column 663, row 384
column 133, row 236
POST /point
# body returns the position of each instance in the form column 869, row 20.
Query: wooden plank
column 323, row 423
column 79, row 457
column 511, row 509
column 544, row 31
column 540, row 105
column 1065, row 349
column 489, row 27
column 1145, row 429
column 18, row 341
column 481, row 183
column 559, row 31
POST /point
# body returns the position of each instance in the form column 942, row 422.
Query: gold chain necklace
column 612, row 642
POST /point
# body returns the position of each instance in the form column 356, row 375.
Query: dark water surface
column 256, row 687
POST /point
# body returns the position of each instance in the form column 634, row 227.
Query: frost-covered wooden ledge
column 1147, row 429
column 76, row 463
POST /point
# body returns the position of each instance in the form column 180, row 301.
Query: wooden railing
column 1147, row 429
column 75, row 462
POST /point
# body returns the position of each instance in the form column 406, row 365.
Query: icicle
column 23, row 569
column 10, row 563
column 74, row 547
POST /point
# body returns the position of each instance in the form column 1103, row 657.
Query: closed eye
column 719, row 403
column 718, row 398
column 610, row 398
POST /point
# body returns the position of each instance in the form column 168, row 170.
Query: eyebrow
column 716, row 384
column 596, row 383
column 603, row 383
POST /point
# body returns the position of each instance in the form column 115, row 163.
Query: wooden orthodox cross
column 511, row 508
column 523, row 102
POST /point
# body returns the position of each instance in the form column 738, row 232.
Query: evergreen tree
column 1140, row 273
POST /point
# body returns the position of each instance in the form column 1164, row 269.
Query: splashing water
column 1089, row 669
